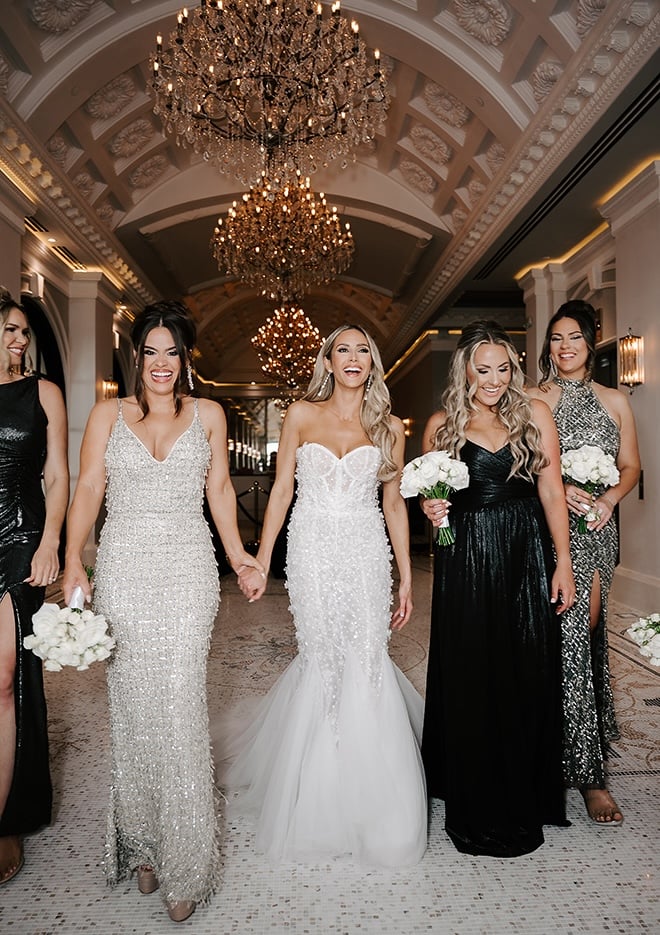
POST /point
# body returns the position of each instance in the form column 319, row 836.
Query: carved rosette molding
column 25, row 157
column 495, row 155
column 58, row 16
column 544, row 78
column 588, row 12
column 4, row 75
column 559, row 127
column 445, row 105
column 112, row 98
column 149, row 172
column 416, row 177
column 489, row 21
column 429, row 144
column 58, row 148
column 132, row 138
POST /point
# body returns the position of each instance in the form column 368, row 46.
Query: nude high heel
column 181, row 910
column 147, row 880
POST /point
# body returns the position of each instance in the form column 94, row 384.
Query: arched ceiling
column 496, row 104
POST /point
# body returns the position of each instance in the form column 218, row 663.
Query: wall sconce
column 631, row 360
column 230, row 444
column 110, row 389
column 408, row 424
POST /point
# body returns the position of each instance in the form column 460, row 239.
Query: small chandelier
column 631, row 360
column 268, row 84
column 287, row 345
column 283, row 239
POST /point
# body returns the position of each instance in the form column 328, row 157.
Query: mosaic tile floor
column 582, row 880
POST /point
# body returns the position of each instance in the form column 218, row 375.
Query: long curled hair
column 514, row 409
column 376, row 406
column 584, row 315
column 177, row 319
column 7, row 303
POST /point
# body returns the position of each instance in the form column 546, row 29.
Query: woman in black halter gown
column 33, row 442
column 492, row 729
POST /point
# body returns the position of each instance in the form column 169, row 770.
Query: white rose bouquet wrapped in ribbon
column 435, row 476
column 646, row 633
column 69, row 636
column 591, row 469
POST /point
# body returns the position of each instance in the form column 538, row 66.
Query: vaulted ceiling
column 510, row 121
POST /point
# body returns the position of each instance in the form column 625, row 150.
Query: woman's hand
column 45, row 566
column 74, row 577
column 563, row 587
column 603, row 508
column 578, row 500
column 401, row 615
column 252, row 578
column 435, row 510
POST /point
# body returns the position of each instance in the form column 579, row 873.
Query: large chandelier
column 283, row 239
column 287, row 345
column 268, row 84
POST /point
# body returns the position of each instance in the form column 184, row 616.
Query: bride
column 330, row 765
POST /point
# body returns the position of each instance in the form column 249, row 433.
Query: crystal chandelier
column 287, row 345
column 268, row 84
column 283, row 239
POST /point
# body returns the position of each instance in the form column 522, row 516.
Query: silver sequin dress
column 157, row 584
column 589, row 720
column 330, row 765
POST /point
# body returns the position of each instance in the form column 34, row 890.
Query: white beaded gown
column 156, row 582
column 330, row 765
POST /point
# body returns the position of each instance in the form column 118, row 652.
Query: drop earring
column 553, row 367
column 189, row 374
column 323, row 386
column 367, row 386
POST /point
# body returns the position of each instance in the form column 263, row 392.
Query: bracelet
column 609, row 502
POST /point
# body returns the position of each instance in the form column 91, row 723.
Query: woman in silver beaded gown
column 588, row 414
column 330, row 765
column 156, row 582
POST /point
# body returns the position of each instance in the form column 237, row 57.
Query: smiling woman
column 492, row 725
column 156, row 583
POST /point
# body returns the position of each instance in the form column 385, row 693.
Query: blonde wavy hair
column 376, row 406
column 514, row 407
column 7, row 303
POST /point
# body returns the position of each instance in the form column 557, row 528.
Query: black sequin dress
column 492, row 727
column 589, row 719
column 22, row 515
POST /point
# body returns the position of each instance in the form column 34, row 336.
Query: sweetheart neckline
column 489, row 450
column 330, row 452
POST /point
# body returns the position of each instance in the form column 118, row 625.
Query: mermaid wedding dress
column 330, row 765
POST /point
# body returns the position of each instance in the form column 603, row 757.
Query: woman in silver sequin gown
column 156, row 582
column 588, row 414
column 330, row 765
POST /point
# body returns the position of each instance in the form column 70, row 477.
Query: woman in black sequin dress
column 492, row 727
column 588, row 414
column 33, row 440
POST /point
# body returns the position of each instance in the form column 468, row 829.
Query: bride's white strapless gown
column 330, row 765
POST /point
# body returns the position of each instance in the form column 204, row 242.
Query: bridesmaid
column 588, row 414
column 33, row 440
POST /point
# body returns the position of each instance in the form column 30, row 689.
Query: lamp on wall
column 631, row 360
column 110, row 389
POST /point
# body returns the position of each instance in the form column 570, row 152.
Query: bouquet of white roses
column 591, row 469
column 69, row 636
column 646, row 633
column 435, row 476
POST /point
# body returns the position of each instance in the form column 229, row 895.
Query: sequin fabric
column 589, row 719
column 157, row 584
column 335, row 513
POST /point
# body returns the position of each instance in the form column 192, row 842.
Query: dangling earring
column 553, row 367
column 323, row 386
column 189, row 374
column 367, row 386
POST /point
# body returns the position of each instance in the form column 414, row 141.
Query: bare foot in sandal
column 601, row 807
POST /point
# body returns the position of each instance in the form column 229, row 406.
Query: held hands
column 45, row 566
column 435, row 510
column 252, row 579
